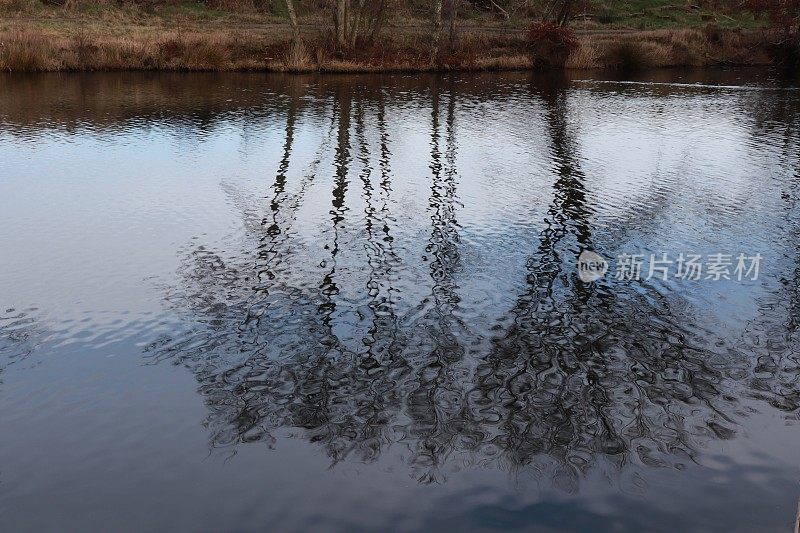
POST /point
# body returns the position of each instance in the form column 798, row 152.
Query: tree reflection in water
column 20, row 335
column 615, row 373
column 774, row 337
column 585, row 371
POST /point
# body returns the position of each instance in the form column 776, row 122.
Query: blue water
column 249, row 302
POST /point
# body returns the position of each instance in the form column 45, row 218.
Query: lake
column 260, row 302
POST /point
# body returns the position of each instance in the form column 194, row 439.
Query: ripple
column 386, row 271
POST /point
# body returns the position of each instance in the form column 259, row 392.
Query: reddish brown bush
column 550, row 44
column 785, row 40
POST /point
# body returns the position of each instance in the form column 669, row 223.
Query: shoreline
column 30, row 47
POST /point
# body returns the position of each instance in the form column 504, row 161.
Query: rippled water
column 246, row 302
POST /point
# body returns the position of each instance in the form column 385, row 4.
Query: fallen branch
column 503, row 11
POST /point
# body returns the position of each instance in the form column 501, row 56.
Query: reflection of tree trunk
column 280, row 178
column 586, row 372
column 342, row 154
column 269, row 251
column 569, row 206
column 538, row 352
column 450, row 152
column 381, row 340
column 386, row 219
column 437, row 406
column 342, row 161
column 315, row 415
column 778, row 322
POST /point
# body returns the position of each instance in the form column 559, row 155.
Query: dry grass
column 151, row 48
column 670, row 48
column 585, row 56
column 297, row 58
column 27, row 51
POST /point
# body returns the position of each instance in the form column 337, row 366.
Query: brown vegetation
column 364, row 35
column 38, row 49
column 550, row 44
column 671, row 48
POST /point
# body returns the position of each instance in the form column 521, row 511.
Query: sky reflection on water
column 371, row 282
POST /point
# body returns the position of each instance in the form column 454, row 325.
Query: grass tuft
column 298, row 59
column 26, row 51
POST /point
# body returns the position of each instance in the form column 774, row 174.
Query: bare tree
column 357, row 15
column 358, row 21
column 559, row 12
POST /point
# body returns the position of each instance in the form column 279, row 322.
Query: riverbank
column 29, row 47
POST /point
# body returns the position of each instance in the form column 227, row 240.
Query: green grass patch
column 29, row 7
column 92, row 9
column 668, row 14
column 190, row 9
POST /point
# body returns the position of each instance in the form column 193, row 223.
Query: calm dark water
column 243, row 302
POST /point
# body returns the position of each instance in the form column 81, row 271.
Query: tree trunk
column 340, row 18
column 559, row 12
column 453, row 12
column 437, row 30
column 356, row 23
column 293, row 20
column 378, row 16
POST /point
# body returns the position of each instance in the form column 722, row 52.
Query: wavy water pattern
column 384, row 269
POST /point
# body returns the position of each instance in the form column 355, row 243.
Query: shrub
column 550, row 44
column 784, row 50
column 626, row 56
column 713, row 34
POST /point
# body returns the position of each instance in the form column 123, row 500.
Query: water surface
column 247, row 302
